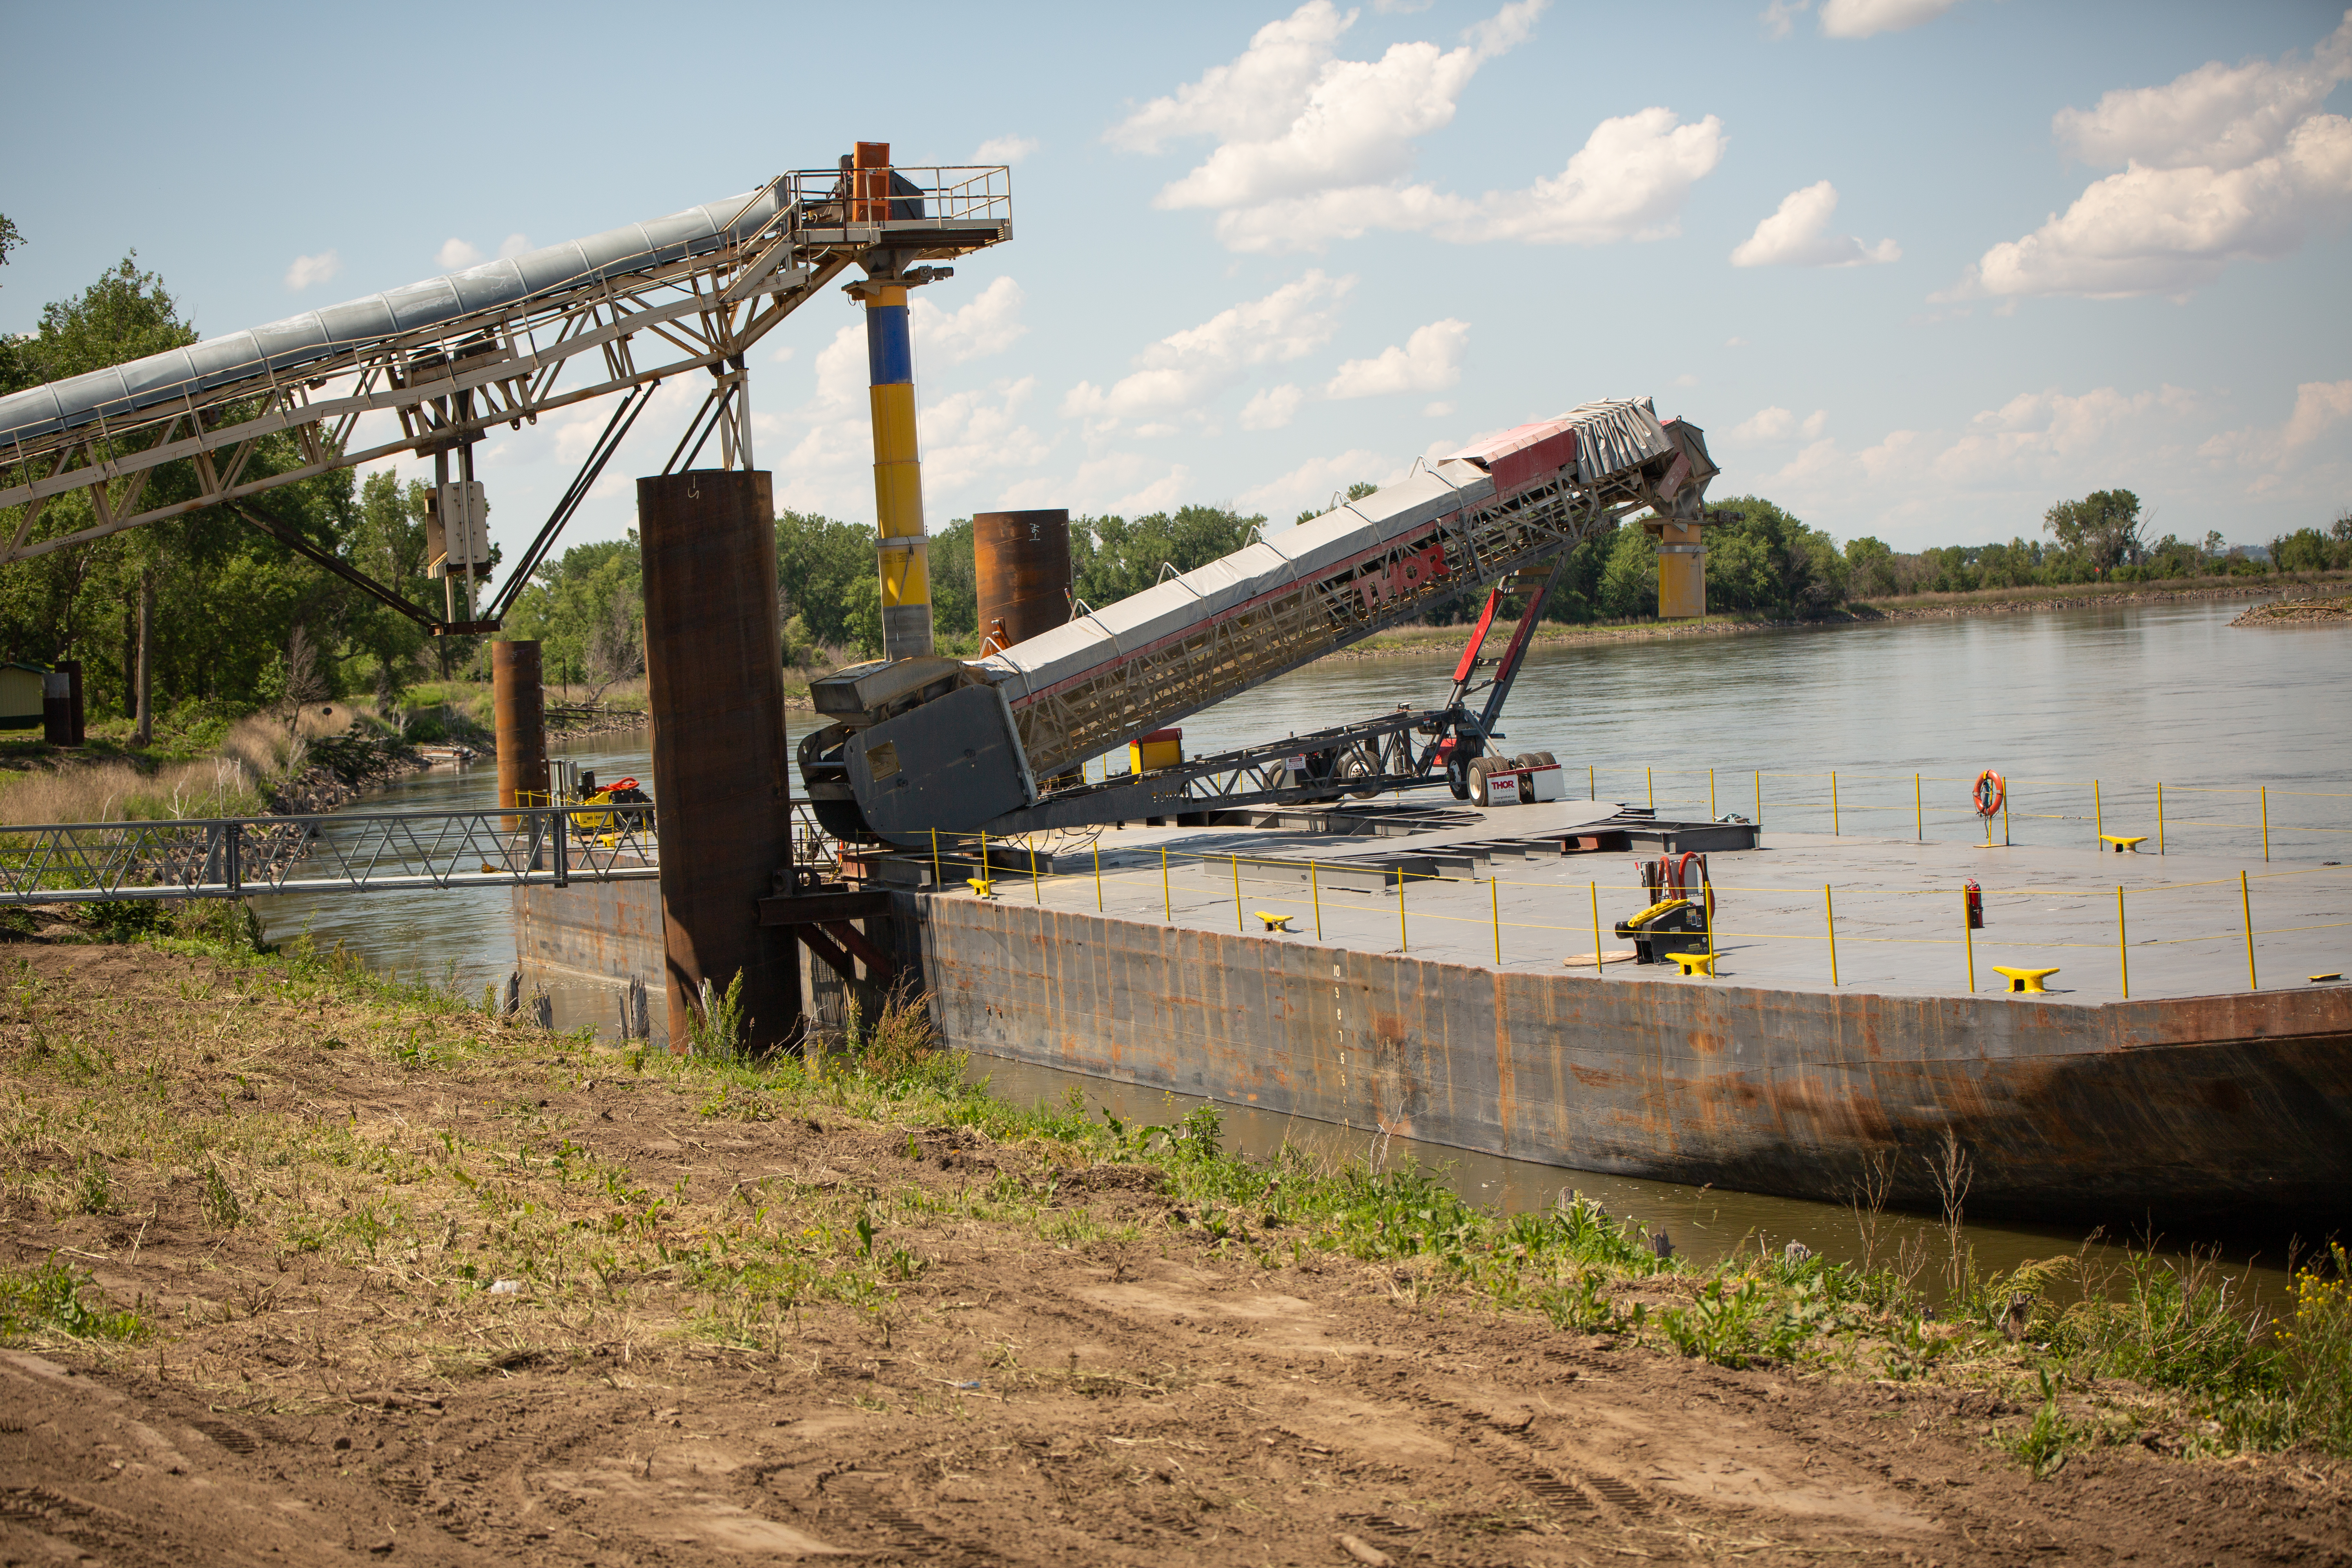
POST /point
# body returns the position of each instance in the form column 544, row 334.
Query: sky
column 1919, row 267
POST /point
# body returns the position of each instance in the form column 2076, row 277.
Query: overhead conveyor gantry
column 501, row 343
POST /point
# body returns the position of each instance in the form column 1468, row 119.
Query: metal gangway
column 339, row 852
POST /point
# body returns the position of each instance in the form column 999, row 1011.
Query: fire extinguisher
column 1976, row 905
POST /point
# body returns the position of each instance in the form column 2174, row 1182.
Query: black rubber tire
column 1545, row 759
column 1479, row 768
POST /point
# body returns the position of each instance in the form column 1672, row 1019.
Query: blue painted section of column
column 890, row 348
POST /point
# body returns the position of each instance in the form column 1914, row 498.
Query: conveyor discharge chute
column 1499, row 506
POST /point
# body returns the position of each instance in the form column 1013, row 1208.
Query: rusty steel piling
column 1021, row 574
column 715, row 689
column 519, row 706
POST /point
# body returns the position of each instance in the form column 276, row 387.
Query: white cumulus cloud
column 1780, row 16
column 1773, row 423
column 1863, row 18
column 1314, row 482
column 1272, row 408
column 456, row 255
column 1429, row 360
column 1797, row 234
column 988, row 323
column 1182, row 369
column 1004, row 150
column 2322, row 408
column 1311, row 147
column 308, row 269
column 512, row 245
column 2221, row 164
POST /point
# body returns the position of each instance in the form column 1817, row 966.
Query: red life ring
column 1991, row 791
column 619, row 784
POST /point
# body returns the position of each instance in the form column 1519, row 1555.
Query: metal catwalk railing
column 347, row 852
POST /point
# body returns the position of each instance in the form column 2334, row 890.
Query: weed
column 2043, row 1449
column 714, row 1029
column 94, row 1193
column 217, row 1199
column 52, row 1297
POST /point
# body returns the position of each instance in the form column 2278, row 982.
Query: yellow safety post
column 1315, row 891
column 1599, row 966
column 1969, row 939
column 2266, row 823
column 1650, row 781
column 939, row 878
column 1098, row 903
column 2004, row 821
column 985, row 866
column 1707, row 909
column 1834, row 828
column 1760, row 797
column 1036, row 882
column 2098, row 817
column 1829, row 919
column 1710, row 792
column 1238, row 924
column 1494, row 896
column 1403, row 946
column 1167, row 904
column 2159, row 819
column 2246, row 908
column 1918, row 812
column 1591, row 790
column 2123, row 952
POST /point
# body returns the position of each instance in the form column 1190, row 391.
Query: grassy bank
column 120, row 1105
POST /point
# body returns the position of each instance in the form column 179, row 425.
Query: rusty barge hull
column 2131, row 1113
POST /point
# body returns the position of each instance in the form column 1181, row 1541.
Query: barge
column 2152, row 1081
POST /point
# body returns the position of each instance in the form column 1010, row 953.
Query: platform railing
column 342, row 852
column 2269, row 820
column 2097, row 936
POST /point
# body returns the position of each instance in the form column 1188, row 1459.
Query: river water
column 2234, row 722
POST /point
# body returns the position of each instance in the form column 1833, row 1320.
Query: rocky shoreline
column 2298, row 611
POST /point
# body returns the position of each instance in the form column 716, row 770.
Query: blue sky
column 1920, row 267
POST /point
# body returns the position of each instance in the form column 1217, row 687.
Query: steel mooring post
column 722, row 784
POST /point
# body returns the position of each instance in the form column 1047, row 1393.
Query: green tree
column 819, row 562
column 2102, row 529
column 1628, row 576
column 1112, row 558
column 955, row 588
column 1768, row 561
column 587, row 611
column 2309, row 549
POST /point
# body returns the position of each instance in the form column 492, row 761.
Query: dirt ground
column 1135, row 1398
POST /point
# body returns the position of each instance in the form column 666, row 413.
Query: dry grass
column 255, row 752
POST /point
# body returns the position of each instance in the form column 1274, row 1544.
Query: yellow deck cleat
column 1695, row 964
column 2023, row 980
column 1276, row 923
column 2123, row 843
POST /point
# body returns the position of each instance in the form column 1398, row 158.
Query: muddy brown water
column 2129, row 695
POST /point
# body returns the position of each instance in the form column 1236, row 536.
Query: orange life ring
column 1992, row 791
column 618, row 785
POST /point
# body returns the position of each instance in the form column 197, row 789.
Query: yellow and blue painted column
column 901, row 546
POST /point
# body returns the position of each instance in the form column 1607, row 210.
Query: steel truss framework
column 449, row 383
column 1466, row 550
column 231, row 857
column 1360, row 760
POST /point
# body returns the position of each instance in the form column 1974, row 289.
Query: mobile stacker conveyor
column 932, row 744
